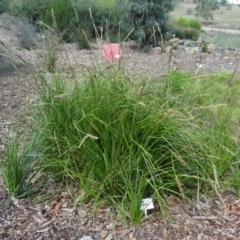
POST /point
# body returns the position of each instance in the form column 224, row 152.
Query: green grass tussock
column 21, row 165
column 122, row 140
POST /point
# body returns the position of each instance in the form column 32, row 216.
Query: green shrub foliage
column 148, row 18
column 60, row 12
column 186, row 33
column 3, row 6
column 186, row 22
column 74, row 16
column 186, row 28
column 205, row 9
column 31, row 9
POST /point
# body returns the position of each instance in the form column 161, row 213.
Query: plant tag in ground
column 147, row 203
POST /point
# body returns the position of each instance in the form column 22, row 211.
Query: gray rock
column 218, row 54
column 86, row 238
column 189, row 43
column 198, row 49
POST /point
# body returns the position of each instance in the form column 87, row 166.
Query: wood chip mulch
column 58, row 218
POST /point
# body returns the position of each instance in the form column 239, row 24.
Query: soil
column 232, row 31
column 216, row 217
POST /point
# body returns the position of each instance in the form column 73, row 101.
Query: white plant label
column 117, row 56
column 147, row 203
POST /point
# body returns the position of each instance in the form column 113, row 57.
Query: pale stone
column 82, row 213
column 109, row 237
column 86, row 238
column 198, row 49
column 156, row 51
column 190, row 50
column 168, row 49
column 228, row 52
column 211, row 47
column 103, row 234
column 174, row 40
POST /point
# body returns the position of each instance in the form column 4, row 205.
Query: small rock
column 103, row 234
column 168, row 49
column 211, row 47
column 218, row 54
column 190, row 50
column 189, row 43
column 109, row 237
column 228, row 52
column 197, row 49
column 130, row 236
column 109, row 226
column 174, row 40
column 156, row 51
column 82, row 213
column 86, row 238
column 235, row 53
column 149, row 226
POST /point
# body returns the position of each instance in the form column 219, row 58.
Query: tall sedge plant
column 122, row 141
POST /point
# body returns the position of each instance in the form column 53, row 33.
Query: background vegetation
column 220, row 16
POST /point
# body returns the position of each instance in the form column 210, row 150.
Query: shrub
column 228, row 6
column 3, row 6
column 8, row 60
column 186, row 22
column 205, row 47
column 27, row 34
column 73, row 17
column 148, row 20
column 195, row 24
column 105, row 18
column 33, row 10
column 189, row 11
column 182, row 22
column 223, row 2
column 60, row 13
column 82, row 23
column 205, row 9
column 186, row 33
column 186, row 28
